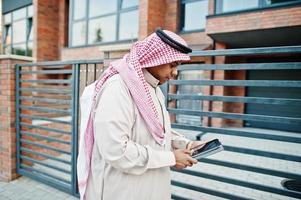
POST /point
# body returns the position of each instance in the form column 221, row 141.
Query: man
column 128, row 147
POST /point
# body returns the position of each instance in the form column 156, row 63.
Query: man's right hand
column 183, row 158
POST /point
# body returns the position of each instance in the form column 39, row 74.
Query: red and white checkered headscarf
column 150, row 52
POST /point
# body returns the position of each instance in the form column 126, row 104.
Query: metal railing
column 239, row 134
column 47, row 101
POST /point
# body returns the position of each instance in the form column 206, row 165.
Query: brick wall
column 8, row 116
column 46, row 30
column 265, row 19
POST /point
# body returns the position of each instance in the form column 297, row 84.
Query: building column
column 8, row 155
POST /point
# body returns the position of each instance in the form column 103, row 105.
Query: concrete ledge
column 115, row 47
column 16, row 57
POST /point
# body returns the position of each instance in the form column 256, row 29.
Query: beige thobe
column 127, row 163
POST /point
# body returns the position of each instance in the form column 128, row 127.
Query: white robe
column 127, row 163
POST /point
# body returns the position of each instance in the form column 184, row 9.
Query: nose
column 174, row 72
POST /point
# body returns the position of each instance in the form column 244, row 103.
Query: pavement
column 26, row 188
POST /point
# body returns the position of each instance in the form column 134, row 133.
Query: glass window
column 29, row 49
column 19, row 31
column 19, row 49
column 128, row 25
column 30, row 11
column 7, row 18
column 19, row 14
column 128, row 3
column 7, row 36
column 194, row 15
column 101, row 7
column 79, row 33
column 29, row 29
column 233, row 5
column 106, row 21
column 79, row 10
column 102, row 29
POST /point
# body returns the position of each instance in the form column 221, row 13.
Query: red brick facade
column 8, row 116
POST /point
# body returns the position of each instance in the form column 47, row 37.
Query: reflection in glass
column 19, row 14
column 195, row 15
column 233, row 5
column 29, row 29
column 7, row 18
column 102, row 29
column 29, row 49
column 79, row 9
column 79, row 33
column 19, row 31
column 128, row 3
column 7, row 35
column 30, row 11
column 100, row 7
column 128, row 25
column 7, row 50
column 19, row 49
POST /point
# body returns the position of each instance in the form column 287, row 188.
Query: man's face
column 164, row 72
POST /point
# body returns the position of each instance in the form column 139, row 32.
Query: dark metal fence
column 47, row 101
column 47, row 119
column 238, row 131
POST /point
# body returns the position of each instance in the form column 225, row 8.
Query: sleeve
column 114, row 119
column 178, row 141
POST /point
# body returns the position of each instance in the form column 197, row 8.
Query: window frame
column 12, row 44
column 261, row 6
column 87, row 19
column 181, row 21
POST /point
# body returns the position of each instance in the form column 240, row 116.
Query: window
column 102, row 21
column 18, row 33
column 193, row 14
column 224, row 6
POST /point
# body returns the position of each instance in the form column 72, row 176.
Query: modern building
column 64, row 30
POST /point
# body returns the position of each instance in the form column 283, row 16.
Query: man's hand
column 195, row 144
column 183, row 158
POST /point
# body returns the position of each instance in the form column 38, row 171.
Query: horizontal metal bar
column 57, row 178
column 251, row 117
column 50, row 139
column 46, row 100
column 45, row 128
column 238, row 133
column 244, row 66
column 177, row 197
column 44, row 146
column 263, row 153
column 48, row 110
column 45, row 164
column 241, row 183
column 259, row 100
column 46, row 72
column 249, row 51
column 61, row 186
column 259, row 170
column 60, row 63
column 46, row 81
column 46, row 90
column 45, row 155
column 207, row 190
column 238, row 83
column 34, row 117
